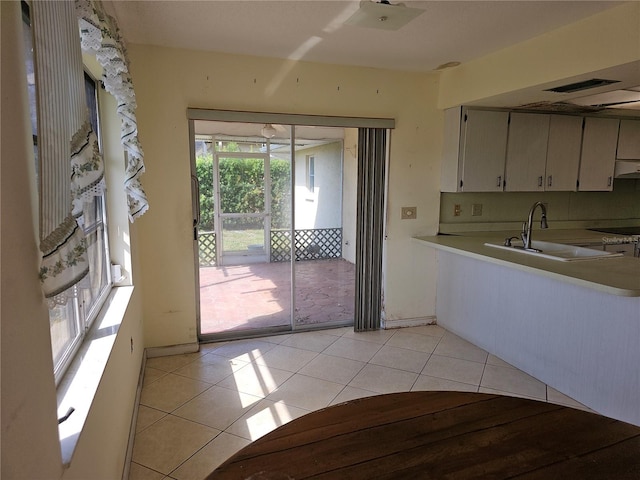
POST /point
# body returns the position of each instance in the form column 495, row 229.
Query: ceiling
column 318, row 31
column 315, row 30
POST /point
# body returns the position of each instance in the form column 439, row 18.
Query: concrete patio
column 254, row 296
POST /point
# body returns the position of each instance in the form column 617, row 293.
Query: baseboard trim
column 134, row 421
column 153, row 352
column 409, row 322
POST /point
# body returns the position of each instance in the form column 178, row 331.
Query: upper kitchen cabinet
column 597, row 162
column 563, row 153
column 629, row 140
column 475, row 146
column 543, row 152
column 526, row 152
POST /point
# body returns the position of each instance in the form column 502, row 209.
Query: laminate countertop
column 616, row 276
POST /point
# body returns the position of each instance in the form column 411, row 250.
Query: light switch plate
column 476, row 209
column 409, row 213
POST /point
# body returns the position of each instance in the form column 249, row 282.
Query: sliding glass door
column 240, row 189
column 324, row 272
column 274, row 227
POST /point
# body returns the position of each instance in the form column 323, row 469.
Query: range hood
column 627, row 169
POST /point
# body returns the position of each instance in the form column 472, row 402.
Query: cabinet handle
column 499, row 184
column 550, row 182
column 540, row 181
column 609, row 182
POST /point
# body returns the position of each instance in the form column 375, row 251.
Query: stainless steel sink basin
column 557, row 251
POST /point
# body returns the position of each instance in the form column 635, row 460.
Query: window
column 311, row 172
column 69, row 322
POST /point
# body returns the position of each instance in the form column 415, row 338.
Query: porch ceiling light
column 383, row 15
column 268, row 131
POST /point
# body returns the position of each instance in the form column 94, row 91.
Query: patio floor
column 258, row 295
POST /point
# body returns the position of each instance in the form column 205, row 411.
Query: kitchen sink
column 557, row 251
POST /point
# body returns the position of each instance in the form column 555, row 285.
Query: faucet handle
column 507, row 241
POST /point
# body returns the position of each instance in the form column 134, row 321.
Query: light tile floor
column 198, row 409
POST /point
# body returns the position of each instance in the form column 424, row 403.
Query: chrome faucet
column 526, row 226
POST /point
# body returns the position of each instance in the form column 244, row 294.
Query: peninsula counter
column 573, row 325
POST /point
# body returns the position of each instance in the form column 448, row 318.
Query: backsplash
column 623, row 203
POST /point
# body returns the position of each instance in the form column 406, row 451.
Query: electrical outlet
column 456, row 210
column 409, row 212
column 476, row 209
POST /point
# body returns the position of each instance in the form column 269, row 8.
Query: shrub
column 241, row 183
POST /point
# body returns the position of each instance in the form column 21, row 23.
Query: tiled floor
column 198, row 409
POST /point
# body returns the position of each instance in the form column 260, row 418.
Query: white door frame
column 237, row 258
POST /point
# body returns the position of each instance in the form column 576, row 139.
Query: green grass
column 239, row 240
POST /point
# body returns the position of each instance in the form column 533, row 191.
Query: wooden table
column 440, row 435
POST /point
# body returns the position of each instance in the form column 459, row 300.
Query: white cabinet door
column 484, row 150
column 563, row 153
column 629, row 140
column 526, row 152
column 451, row 159
column 597, row 162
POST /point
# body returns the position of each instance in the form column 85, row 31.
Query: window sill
column 80, row 383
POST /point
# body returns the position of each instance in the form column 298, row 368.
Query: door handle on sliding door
column 196, row 205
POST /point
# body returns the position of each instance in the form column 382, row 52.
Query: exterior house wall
column 322, row 207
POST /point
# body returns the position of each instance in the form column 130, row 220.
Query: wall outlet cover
column 409, row 213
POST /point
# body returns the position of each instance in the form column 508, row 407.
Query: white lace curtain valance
column 100, row 36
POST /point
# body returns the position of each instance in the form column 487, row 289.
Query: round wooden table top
column 415, row 435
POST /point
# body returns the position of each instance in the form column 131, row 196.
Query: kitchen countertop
column 617, row 276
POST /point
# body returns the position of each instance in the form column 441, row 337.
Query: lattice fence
column 280, row 246
column 311, row 244
column 207, row 249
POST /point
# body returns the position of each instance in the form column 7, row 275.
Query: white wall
column 322, row 207
column 580, row 341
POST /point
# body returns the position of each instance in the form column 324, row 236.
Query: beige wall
column 28, row 388
column 349, row 193
column 598, row 42
column 30, row 444
column 170, row 80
